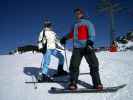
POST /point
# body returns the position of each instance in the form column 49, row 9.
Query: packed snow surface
column 115, row 69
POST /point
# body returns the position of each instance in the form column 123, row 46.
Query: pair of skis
column 88, row 89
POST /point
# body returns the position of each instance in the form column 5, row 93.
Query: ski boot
column 98, row 87
column 43, row 78
column 72, row 85
column 60, row 72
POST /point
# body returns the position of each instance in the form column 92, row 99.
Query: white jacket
column 50, row 37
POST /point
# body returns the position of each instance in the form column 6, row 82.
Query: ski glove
column 63, row 40
column 90, row 44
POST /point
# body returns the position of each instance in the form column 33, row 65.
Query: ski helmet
column 47, row 24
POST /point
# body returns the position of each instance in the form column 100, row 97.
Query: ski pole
column 66, row 58
column 35, row 85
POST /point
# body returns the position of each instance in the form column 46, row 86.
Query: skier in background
column 114, row 46
column 83, row 35
column 47, row 43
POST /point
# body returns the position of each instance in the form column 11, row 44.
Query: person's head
column 47, row 24
column 78, row 13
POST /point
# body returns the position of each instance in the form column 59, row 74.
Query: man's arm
column 91, row 31
column 70, row 35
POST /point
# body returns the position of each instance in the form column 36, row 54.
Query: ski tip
column 122, row 86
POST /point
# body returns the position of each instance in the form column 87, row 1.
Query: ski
column 54, row 81
column 69, row 74
column 86, row 73
column 55, row 90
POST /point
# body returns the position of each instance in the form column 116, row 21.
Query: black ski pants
column 91, row 59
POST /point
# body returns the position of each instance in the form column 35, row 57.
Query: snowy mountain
column 115, row 69
column 125, row 41
column 123, row 47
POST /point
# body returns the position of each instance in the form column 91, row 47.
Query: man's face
column 78, row 15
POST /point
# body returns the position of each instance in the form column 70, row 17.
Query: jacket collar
column 47, row 29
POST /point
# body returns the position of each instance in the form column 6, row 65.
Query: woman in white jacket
column 48, row 38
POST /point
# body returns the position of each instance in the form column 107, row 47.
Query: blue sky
column 22, row 20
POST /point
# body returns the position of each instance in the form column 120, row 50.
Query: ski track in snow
column 115, row 69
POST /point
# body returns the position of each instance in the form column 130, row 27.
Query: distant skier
column 47, row 42
column 114, row 46
column 82, row 35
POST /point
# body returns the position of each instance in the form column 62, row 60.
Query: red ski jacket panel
column 82, row 31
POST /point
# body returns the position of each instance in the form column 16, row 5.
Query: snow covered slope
column 123, row 47
column 115, row 69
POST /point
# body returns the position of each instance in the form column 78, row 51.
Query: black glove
column 89, row 46
column 90, row 43
column 63, row 40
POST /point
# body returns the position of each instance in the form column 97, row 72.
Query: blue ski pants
column 47, row 58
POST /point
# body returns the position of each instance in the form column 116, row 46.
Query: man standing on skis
column 47, row 38
column 83, row 35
